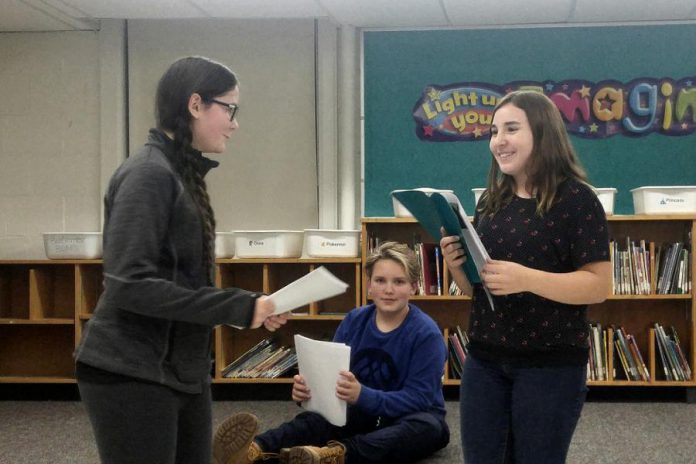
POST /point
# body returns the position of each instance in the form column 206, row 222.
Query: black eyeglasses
column 232, row 108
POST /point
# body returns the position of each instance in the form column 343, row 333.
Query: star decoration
column 434, row 94
column 593, row 127
column 477, row 132
column 549, row 87
column 428, row 131
column 606, row 102
column 584, row 91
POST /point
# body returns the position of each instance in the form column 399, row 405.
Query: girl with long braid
column 143, row 363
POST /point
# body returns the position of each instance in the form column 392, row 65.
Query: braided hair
column 209, row 79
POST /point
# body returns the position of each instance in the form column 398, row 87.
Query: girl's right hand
column 263, row 308
column 300, row 390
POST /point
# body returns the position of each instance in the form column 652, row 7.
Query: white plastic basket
column 73, row 245
column 606, row 198
column 320, row 243
column 664, row 200
column 477, row 194
column 224, row 244
column 268, row 243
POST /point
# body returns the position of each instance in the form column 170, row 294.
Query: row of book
column 457, row 344
column 630, row 357
column 431, row 268
column 629, row 363
column 267, row 359
column 674, row 363
column 646, row 268
column 599, row 354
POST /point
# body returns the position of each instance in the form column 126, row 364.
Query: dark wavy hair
column 209, row 79
column 553, row 159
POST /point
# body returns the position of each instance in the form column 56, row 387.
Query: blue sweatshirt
column 400, row 371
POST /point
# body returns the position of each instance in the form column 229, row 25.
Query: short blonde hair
column 397, row 252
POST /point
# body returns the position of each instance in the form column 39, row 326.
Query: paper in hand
column 319, row 364
column 317, row 285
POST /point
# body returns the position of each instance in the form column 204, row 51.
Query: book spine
column 438, row 269
column 645, row 373
column 661, row 350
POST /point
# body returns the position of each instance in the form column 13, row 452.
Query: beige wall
column 49, row 138
column 58, row 142
column 267, row 178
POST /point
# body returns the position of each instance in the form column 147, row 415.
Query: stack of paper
column 319, row 363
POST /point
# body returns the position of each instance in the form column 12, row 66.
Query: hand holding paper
column 320, row 363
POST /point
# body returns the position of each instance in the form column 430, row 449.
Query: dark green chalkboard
column 398, row 65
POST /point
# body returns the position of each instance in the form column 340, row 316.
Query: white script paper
column 317, row 285
column 319, row 363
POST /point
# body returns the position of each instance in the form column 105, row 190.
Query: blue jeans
column 519, row 415
column 407, row 439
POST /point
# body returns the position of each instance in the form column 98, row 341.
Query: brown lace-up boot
column 333, row 453
column 233, row 442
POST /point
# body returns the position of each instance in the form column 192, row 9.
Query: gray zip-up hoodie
column 154, row 319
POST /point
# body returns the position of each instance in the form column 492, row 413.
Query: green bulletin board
column 400, row 65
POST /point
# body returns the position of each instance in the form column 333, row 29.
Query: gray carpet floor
column 58, row 432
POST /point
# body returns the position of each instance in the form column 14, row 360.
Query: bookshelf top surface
column 610, row 218
column 332, row 260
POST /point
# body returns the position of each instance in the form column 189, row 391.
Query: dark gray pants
column 137, row 422
column 407, row 439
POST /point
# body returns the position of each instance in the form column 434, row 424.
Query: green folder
column 435, row 210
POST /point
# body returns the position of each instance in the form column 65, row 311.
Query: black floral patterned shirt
column 526, row 329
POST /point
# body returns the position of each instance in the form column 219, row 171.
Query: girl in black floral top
column 523, row 384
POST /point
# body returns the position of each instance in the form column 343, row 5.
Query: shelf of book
column 636, row 312
column 44, row 305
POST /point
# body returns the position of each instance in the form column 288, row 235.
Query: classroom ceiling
column 54, row 15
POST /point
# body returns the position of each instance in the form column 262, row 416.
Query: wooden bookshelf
column 636, row 313
column 44, row 305
column 317, row 320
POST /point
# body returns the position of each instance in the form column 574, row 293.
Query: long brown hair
column 553, row 159
column 209, row 79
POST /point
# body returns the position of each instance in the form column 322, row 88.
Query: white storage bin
column 606, row 198
column 329, row 243
column 268, row 243
column 401, row 211
column 73, row 245
column 224, row 244
column 664, row 200
column 477, row 194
